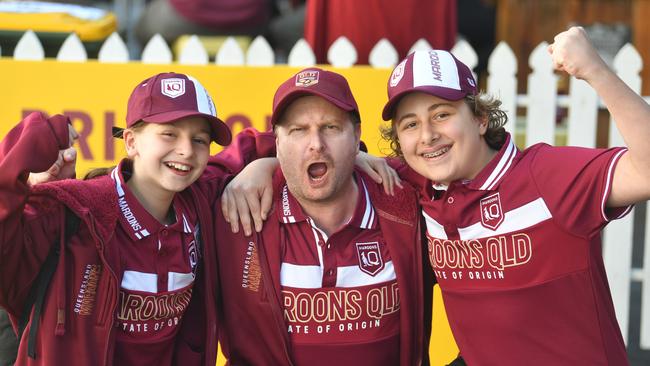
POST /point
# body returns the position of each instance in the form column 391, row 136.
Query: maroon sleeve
column 575, row 183
column 31, row 146
column 247, row 146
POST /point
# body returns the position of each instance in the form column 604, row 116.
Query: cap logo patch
column 471, row 82
column 491, row 211
column 398, row 73
column 307, row 78
column 173, row 87
column 370, row 260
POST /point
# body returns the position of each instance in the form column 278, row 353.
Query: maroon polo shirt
column 517, row 254
column 341, row 300
column 158, row 266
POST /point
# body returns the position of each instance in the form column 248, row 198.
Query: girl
column 514, row 236
column 135, row 283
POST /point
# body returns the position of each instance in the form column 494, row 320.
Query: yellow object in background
column 90, row 24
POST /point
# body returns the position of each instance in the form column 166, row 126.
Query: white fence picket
column 383, row 54
column 583, row 114
column 466, row 54
column 260, row 53
column 644, row 341
column 113, row 50
column 193, row 52
column 502, row 82
column 617, row 254
column 157, row 51
column 542, row 96
column 230, row 54
column 301, row 55
column 342, row 53
column 420, row 45
column 29, row 47
column 617, row 249
column 72, row 50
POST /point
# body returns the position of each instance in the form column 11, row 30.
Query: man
column 335, row 275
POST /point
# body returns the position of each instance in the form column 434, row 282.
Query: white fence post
column 542, row 98
column 583, row 114
column 502, row 82
column 617, row 249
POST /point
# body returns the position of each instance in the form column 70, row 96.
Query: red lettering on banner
column 109, row 142
column 84, row 133
column 231, row 121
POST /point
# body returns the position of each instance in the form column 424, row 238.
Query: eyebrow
column 431, row 108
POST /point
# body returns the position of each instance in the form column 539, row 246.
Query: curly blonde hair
column 482, row 106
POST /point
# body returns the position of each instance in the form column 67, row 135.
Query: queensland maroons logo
column 491, row 211
column 397, row 74
column 370, row 260
column 172, row 87
column 307, row 78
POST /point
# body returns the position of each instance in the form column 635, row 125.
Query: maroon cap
column 314, row 81
column 435, row 72
column 168, row 97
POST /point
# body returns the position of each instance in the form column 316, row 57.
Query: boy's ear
column 483, row 124
column 129, row 142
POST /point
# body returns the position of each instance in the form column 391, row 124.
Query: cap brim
column 444, row 93
column 220, row 132
column 295, row 94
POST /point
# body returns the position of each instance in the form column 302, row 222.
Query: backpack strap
column 41, row 283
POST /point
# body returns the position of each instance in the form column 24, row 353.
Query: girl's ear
column 130, row 143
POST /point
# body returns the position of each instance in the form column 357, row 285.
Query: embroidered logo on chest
column 491, row 211
column 370, row 260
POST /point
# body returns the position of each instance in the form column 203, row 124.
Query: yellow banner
column 94, row 95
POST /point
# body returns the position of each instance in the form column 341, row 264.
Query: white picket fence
column 540, row 102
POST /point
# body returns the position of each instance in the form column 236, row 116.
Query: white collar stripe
column 369, row 214
column 608, row 182
column 504, row 170
column 316, row 231
column 118, row 183
column 501, row 167
column 186, row 225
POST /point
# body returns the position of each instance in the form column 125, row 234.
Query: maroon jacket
column 30, row 223
column 253, row 328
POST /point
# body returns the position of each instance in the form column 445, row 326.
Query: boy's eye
column 202, row 141
column 441, row 115
column 406, row 125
